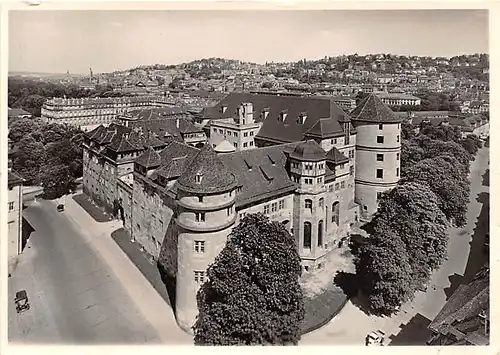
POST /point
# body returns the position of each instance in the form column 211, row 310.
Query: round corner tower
column 206, row 214
column 378, row 152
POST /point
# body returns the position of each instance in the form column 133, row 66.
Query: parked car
column 21, row 301
column 375, row 338
column 60, row 208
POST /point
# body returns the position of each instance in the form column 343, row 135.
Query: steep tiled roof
column 261, row 173
column 335, row 156
column 177, row 150
column 213, row 173
column 149, row 158
column 372, row 109
column 289, row 130
column 172, row 170
column 467, row 302
column 120, row 144
column 308, row 151
column 325, row 128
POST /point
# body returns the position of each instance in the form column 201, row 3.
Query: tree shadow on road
column 415, row 332
column 349, row 283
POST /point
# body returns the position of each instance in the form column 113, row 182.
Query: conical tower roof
column 206, row 174
column 225, row 147
column 372, row 109
column 308, row 151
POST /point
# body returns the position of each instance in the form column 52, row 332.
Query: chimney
column 248, row 111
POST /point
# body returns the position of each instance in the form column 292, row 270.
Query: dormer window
column 265, row 113
column 223, row 108
column 302, row 117
column 283, row 115
column 198, row 178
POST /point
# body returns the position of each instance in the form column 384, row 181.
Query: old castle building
column 181, row 202
column 88, row 113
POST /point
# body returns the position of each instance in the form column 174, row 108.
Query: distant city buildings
column 88, row 113
column 398, row 99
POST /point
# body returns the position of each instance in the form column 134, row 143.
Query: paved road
column 351, row 325
column 82, row 288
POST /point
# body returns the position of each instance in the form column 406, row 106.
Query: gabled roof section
column 335, row 156
column 372, row 109
column 149, row 159
column 325, row 128
column 207, row 174
column 122, row 145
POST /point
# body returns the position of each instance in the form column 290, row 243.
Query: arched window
column 335, row 213
column 309, row 204
column 307, row 235
column 320, row 233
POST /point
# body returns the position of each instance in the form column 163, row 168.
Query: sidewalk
column 147, row 299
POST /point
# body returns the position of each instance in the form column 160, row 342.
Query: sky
column 57, row 41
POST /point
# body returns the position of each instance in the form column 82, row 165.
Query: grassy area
column 322, row 307
column 94, row 211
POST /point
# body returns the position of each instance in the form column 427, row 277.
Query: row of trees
column 30, row 94
column 46, row 154
column 408, row 235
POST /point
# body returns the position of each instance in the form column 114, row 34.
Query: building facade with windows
column 14, row 218
column 88, row 113
column 181, row 202
column 378, row 152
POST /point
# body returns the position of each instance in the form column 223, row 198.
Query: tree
column 22, row 127
column 471, row 144
column 412, row 211
column 28, row 159
column 443, row 133
column 450, row 187
column 384, row 271
column 57, row 181
column 252, row 295
column 411, row 153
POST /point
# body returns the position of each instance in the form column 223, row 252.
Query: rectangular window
column 199, row 276
column 397, row 171
column 200, row 217
column 397, row 156
column 251, row 133
column 11, row 206
column 337, row 186
column 380, row 139
column 282, row 204
column 342, row 184
column 245, row 134
column 380, row 173
column 380, row 126
column 266, row 209
column 245, row 145
column 379, row 195
column 251, row 144
column 397, row 139
column 235, row 145
column 274, row 207
column 351, row 170
column 380, row 157
column 199, row 246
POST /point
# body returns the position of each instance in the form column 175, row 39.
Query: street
column 81, row 287
column 351, row 325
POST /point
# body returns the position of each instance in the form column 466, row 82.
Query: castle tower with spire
column 205, row 216
column 378, row 152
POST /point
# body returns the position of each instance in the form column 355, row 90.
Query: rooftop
column 372, row 109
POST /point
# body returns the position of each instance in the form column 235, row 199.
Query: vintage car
column 21, row 301
column 375, row 338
